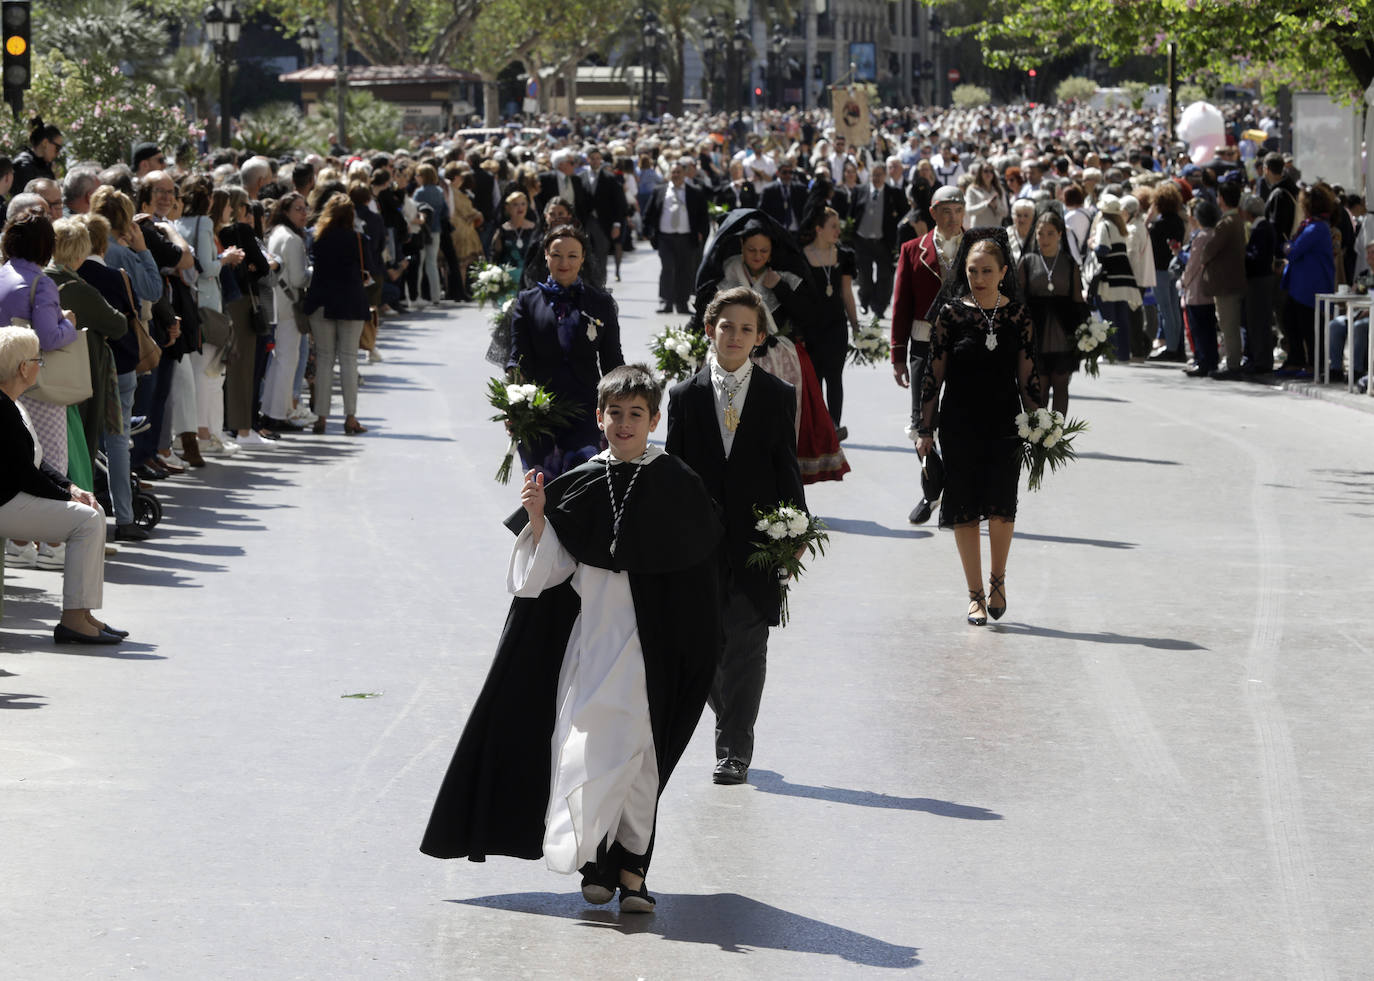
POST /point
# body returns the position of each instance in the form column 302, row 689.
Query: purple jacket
column 42, row 308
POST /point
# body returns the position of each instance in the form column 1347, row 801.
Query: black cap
column 144, row 151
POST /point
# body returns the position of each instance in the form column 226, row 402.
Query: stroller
column 147, row 508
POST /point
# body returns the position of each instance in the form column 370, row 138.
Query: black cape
column 496, row 792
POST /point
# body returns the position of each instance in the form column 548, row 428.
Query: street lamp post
column 223, row 22
column 777, row 51
column 936, row 29
column 711, row 37
column 651, row 35
column 740, row 44
column 341, row 75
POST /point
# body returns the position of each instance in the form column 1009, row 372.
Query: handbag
column 216, row 328
column 149, row 354
column 65, row 378
column 259, row 316
column 932, row 475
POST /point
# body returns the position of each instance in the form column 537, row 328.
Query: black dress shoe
column 131, row 533
column 1198, row 372
column 921, row 513
column 145, row 472
column 667, row 309
column 1225, row 375
column 66, row 635
column 121, row 634
column 636, row 900
column 730, row 772
column 281, row 425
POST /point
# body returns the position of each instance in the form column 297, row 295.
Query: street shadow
column 13, row 700
column 383, row 434
column 1065, row 540
column 34, row 643
column 133, row 575
column 728, row 921
column 163, row 560
column 855, row 526
column 1099, row 398
column 184, row 548
column 1112, row 457
column 769, row 782
column 909, row 448
column 1101, row 637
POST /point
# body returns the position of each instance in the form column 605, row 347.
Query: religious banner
column 851, row 114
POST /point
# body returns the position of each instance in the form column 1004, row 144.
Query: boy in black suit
column 732, row 423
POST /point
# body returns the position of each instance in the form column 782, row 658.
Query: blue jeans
column 117, row 453
column 1359, row 358
column 1118, row 313
column 1202, row 320
column 1170, row 317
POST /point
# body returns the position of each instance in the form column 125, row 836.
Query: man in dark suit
column 784, row 200
column 607, row 216
column 877, row 210
column 676, row 222
column 483, row 199
column 563, row 182
column 738, row 191
column 733, row 423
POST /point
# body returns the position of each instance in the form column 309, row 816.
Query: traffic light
column 17, row 74
column 1031, row 72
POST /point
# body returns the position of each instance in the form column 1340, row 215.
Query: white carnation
column 798, row 525
column 1058, row 418
column 777, row 530
column 761, row 524
column 1022, row 420
column 1023, row 431
column 1051, row 439
column 1036, row 435
column 515, row 395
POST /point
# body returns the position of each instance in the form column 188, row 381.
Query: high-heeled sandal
column 997, row 584
column 636, row 900
column 976, row 596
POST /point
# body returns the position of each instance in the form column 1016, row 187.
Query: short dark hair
column 29, row 235
column 1229, row 192
column 301, row 176
column 568, row 231
column 626, row 382
column 737, row 296
column 1274, row 163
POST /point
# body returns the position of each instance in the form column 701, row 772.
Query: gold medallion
column 731, row 418
column 829, row 290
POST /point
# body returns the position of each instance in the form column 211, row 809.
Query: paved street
column 1157, row 765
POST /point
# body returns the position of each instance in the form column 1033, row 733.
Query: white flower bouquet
column 1093, row 339
column 869, row 345
column 529, row 412
column 492, row 282
column 1046, row 439
column 678, row 353
column 788, row 534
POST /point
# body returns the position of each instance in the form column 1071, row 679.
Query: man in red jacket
column 921, row 269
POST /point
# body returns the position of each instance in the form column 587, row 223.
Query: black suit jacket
column 771, row 201
column 608, row 199
column 893, row 203
column 17, row 472
column 548, row 190
column 748, row 195
column 762, row 468
column 698, row 219
column 483, row 188
column 534, row 347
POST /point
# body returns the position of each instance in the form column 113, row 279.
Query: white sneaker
column 21, row 556
column 374, row 356
column 52, row 556
column 217, row 445
column 171, row 457
column 301, row 413
column 254, row 438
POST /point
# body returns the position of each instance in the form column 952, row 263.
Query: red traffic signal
column 1031, row 72
column 757, row 90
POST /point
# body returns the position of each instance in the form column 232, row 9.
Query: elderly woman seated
column 39, row 503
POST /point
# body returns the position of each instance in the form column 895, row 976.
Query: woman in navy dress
column 565, row 334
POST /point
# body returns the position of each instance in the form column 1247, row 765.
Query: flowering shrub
column 101, row 111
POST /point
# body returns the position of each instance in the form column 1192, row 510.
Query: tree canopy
column 1321, row 46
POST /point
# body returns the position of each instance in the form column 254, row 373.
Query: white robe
column 605, row 773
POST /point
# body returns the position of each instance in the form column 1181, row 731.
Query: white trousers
column 38, row 519
column 281, row 368
column 209, row 389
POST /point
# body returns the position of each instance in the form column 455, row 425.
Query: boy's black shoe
column 730, row 772
column 921, row 513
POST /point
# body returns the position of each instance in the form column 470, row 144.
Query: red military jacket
column 918, row 282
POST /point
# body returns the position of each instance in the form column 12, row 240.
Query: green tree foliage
column 372, row 124
column 388, row 32
column 94, row 29
column 270, row 130
column 1136, row 92
column 971, row 97
column 1322, row 46
column 101, row 111
column 1075, row 89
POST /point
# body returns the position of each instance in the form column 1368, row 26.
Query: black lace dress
column 983, row 390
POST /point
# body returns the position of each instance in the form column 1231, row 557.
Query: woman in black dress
column 1053, row 288
column 982, row 356
column 565, row 334
column 831, row 270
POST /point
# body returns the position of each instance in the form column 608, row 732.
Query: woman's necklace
column 1049, row 269
column 990, row 319
column 829, row 267
column 618, row 509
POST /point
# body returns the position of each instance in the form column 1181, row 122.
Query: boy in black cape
column 603, row 667
column 732, row 423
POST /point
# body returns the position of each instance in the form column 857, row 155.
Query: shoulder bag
column 149, row 354
column 65, row 378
